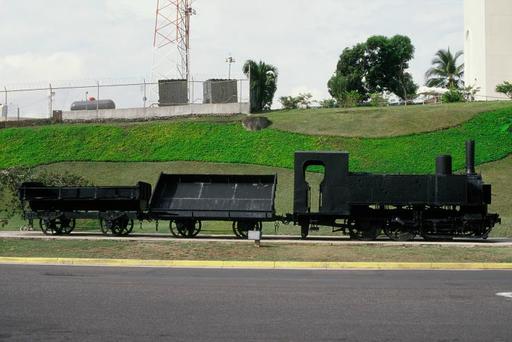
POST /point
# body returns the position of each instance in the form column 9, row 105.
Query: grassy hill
column 374, row 122
column 230, row 143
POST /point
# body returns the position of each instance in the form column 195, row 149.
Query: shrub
column 453, row 95
column 11, row 179
column 377, row 100
column 293, row 102
column 350, row 99
column 328, row 103
column 289, row 102
column 505, row 88
column 305, row 100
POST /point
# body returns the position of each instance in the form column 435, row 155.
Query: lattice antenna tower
column 172, row 39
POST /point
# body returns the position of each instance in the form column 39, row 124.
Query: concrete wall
column 156, row 113
column 487, row 45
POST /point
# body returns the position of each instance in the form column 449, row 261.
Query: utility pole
column 230, row 60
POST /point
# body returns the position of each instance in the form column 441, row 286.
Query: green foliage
column 338, row 86
column 294, row 102
column 231, row 143
column 469, row 93
column 505, row 88
column 377, row 100
column 12, row 178
column 452, row 96
column 328, row 103
column 350, row 99
column 263, row 84
column 445, row 71
column 289, row 102
column 377, row 65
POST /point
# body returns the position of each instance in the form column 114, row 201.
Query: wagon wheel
column 242, row 228
column 120, row 226
column 105, row 226
column 128, row 229
column 397, row 232
column 364, row 231
column 48, row 226
column 185, row 229
column 67, row 226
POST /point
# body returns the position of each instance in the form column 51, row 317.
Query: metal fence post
column 5, row 108
column 50, row 102
column 98, row 100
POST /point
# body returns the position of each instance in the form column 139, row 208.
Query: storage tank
column 93, row 105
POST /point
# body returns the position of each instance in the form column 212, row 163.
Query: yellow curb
column 255, row 264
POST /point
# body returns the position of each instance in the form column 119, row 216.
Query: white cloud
column 31, row 67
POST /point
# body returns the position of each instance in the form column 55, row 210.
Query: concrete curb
column 277, row 265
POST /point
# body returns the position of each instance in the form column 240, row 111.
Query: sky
column 54, row 40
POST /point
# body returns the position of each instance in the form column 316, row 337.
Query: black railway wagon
column 440, row 206
column 57, row 208
column 188, row 200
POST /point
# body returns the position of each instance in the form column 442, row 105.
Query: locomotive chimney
column 444, row 166
column 470, row 157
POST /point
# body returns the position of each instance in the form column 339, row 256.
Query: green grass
column 379, row 122
column 172, row 250
column 230, row 143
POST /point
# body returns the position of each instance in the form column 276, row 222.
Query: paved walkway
column 329, row 240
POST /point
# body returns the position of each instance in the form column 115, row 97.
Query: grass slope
column 230, row 143
column 379, row 121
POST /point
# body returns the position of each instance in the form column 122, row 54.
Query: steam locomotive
column 362, row 205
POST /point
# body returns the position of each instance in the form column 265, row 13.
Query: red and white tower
column 172, row 39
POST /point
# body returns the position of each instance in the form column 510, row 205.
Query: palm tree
column 263, row 84
column 445, row 72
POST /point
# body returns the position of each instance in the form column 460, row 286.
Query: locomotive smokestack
column 470, row 157
column 444, row 166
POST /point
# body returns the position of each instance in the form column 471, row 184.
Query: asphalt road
column 45, row 303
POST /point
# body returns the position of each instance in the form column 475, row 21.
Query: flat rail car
column 58, row 208
column 363, row 206
column 187, row 200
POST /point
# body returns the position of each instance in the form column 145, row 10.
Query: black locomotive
column 361, row 205
column 440, row 206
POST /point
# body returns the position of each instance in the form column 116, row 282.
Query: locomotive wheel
column 397, row 232
column 242, row 228
column 364, row 231
column 185, row 229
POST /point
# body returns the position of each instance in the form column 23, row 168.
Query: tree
column 304, row 100
column 380, row 64
column 445, row 71
column 505, row 88
column 263, row 84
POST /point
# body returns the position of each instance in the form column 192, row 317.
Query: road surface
column 51, row 303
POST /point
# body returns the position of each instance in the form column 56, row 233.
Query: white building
column 488, row 45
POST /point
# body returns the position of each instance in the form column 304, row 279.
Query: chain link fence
column 32, row 102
